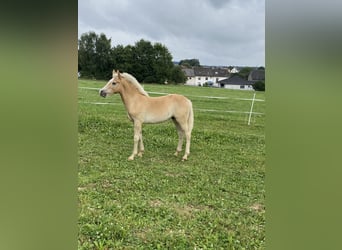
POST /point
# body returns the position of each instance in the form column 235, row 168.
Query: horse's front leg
column 137, row 133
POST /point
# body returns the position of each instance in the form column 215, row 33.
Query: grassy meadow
column 214, row 200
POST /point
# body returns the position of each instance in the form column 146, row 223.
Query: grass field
column 215, row 200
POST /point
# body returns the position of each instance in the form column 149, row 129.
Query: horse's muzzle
column 103, row 94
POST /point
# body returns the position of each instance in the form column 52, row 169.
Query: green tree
column 122, row 58
column 162, row 63
column 149, row 63
column 244, row 72
column 94, row 55
column 142, row 61
column 177, row 75
column 86, row 54
column 146, row 61
column 259, row 86
column 103, row 57
column 189, row 62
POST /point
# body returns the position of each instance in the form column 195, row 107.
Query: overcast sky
column 217, row 32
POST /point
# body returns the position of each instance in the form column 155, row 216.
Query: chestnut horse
column 142, row 108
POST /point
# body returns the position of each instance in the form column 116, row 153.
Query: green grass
column 215, row 200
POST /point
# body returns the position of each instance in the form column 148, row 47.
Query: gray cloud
column 216, row 32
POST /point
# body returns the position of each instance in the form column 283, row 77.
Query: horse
column 141, row 108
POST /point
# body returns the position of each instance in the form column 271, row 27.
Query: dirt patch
column 189, row 210
column 257, row 207
column 156, row 203
column 86, row 187
column 143, row 235
column 169, row 174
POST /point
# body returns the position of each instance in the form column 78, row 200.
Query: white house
column 233, row 70
column 236, row 82
column 190, row 76
column 200, row 76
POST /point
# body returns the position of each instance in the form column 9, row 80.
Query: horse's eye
column 113, row 83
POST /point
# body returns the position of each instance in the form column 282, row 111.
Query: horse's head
column 113, row 86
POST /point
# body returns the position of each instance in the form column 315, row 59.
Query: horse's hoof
column 140, row 154
column 184, row 158
column 131, row 158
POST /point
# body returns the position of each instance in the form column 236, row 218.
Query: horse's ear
column 119, row 76
column 114, row 72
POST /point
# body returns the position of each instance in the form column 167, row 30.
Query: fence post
column 251, row 111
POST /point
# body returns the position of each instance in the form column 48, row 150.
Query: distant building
column 236, row 82
column 233, row 70
column 200, row 76
column 222, row 77
column 256, row 75
column 190, row 76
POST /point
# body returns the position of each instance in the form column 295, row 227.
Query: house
column 236, row 82
column 256, row 75
column 201, row 76
column 233, row 70
column 190, row 76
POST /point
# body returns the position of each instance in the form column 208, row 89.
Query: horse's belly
column 154, row 118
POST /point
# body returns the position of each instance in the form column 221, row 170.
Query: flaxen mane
column 134, row 81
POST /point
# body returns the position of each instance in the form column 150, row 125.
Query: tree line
column 149, row 63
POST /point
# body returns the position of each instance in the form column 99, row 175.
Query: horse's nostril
column 102, row 93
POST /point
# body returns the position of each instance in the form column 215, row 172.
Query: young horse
column 144, row 109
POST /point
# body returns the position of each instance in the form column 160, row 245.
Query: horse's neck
column 129, row 96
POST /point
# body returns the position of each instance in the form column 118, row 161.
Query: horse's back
column 171, row 99
column 179, row 98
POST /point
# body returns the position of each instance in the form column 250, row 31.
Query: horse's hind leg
column 186, row 130
column 180, row 136
column 187, row 145
column 141, row 145
column 180, row 141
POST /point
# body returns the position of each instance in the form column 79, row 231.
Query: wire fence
column 249, row 112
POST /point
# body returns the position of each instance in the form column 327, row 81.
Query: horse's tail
column 191, row 118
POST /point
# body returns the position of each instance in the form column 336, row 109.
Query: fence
column 250, row 112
